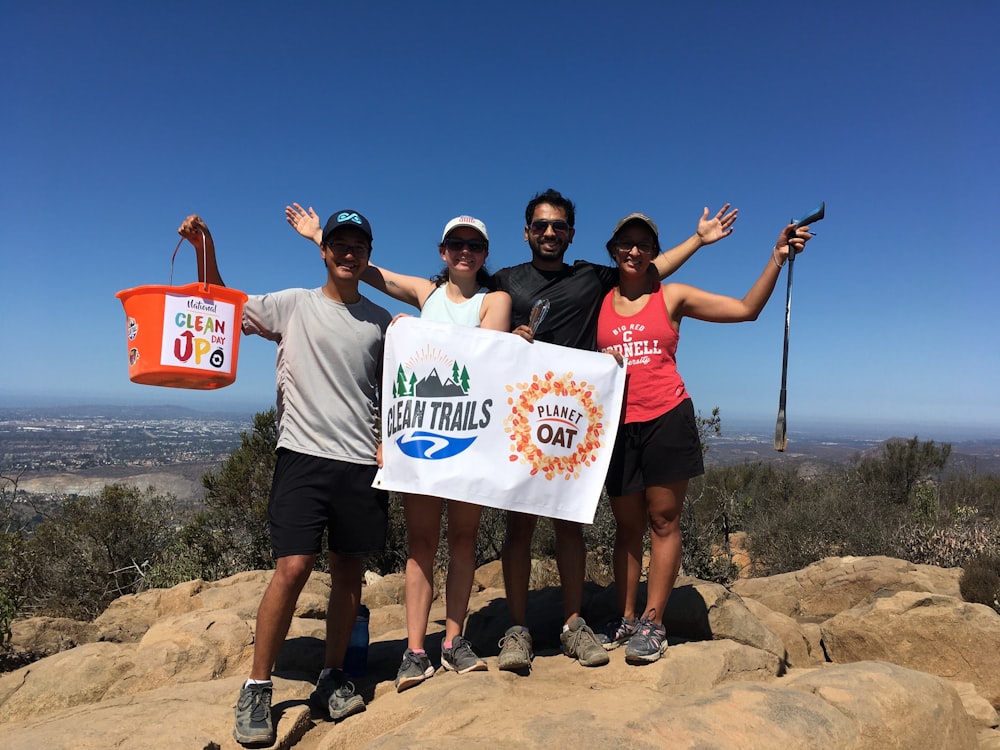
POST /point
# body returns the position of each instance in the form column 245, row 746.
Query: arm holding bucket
column 195, row 231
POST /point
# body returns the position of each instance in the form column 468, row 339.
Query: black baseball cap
column 346, row 218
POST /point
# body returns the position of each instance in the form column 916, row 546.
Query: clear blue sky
column 122, row 118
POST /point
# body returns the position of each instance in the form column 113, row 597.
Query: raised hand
column 719, row 226
column 305, row 222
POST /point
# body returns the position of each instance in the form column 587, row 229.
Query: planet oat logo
column 432, row 415
column 555, row 424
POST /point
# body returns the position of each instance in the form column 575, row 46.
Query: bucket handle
column 201, row 274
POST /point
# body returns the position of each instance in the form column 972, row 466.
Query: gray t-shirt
column 327, row 372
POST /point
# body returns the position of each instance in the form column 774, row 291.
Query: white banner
column 486, row 417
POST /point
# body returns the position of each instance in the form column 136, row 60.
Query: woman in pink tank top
column 657, row 450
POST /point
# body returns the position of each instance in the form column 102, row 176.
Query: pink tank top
column 648, row 342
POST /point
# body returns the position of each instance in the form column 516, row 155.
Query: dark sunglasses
column 539, row 226
column 455, row 245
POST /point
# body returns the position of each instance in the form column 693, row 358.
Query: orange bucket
column 183, row 336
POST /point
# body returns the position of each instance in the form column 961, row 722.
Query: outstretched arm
column 412, row 290
column 709, row 231
column 305, row 222
column 685, row 301
column 195, row 231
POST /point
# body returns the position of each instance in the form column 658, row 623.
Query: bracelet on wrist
column 774, row 257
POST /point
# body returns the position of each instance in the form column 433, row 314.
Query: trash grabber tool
column 781, row 428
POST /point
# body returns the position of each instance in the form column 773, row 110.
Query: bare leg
column 463, row 524
column 571, row 558
column 631, row 518
column 423, row 529
column 345, row 595
column 274, row 614
column 665, row 504
column 517, row 564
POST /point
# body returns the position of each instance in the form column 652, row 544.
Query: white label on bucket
column 198, row 333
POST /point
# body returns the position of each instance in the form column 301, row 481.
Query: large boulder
column 933, row 633
column 834, row 584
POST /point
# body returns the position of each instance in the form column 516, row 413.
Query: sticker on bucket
column 198, row 333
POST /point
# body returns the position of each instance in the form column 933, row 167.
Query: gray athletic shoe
column 647, row 644
column 253, row 716
column 334, row 695
column 616, row 633
column 580, row 643
column 415, row 669
column 460, row 657
column 515, row 650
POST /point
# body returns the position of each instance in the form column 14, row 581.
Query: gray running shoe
column 334, row 695
column 253, row 716
column 515, row 650
column 616, row 633
column 415, row 669
column 580, row 643
column 460, row 657
column 647, row 644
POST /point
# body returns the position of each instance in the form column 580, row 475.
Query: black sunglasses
column 455, row 245
column 539, row 226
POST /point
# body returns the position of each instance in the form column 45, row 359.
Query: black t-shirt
column 574, row 294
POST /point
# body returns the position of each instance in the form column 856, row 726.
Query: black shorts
column 663, row 450
column 311, row 494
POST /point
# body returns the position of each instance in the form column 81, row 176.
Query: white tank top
column 440, row 309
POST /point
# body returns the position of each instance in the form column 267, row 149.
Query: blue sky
column 122, row 118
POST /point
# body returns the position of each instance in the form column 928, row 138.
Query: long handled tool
column 781, row 428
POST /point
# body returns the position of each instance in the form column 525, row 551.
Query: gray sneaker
column 334, row 695
column 253, row 716
column 460, row 657
column 415, row 669
column 580, row 643
column 616, row 633
column 647, row 644
column 515, row 650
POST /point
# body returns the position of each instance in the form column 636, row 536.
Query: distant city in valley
column 65, row 450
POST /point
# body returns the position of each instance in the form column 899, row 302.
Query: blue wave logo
column 431, row 446
column 344, row 216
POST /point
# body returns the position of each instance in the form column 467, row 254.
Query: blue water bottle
column 356, row 659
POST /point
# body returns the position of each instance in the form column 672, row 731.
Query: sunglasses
column 455, row 245
column 540, row 226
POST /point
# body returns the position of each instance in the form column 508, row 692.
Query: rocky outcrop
column 905, row 668
column 834, row 584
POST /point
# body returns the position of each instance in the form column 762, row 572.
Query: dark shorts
column 663, row 450
column 311, row 494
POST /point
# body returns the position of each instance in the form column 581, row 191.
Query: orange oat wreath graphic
column 525, row 427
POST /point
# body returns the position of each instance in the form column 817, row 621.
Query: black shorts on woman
column 657, row 452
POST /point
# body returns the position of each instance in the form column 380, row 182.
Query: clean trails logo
column 432, row 416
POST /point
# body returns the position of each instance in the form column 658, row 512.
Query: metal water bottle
column 356, row 659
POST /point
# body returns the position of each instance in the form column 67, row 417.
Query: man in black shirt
column 575, row 293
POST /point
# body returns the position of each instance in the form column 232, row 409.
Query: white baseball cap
column 465, row 221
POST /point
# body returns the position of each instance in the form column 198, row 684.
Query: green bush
column 95, row 549
column 980, row 581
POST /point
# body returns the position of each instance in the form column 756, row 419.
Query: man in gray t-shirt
column 327, row 373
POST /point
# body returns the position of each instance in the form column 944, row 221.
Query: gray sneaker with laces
column 580, row 643
column 253, row 716
column 460, row 657
column 647, row 644
column 515, row 650
column 616, row 633
column 415, row 669
column 335, row 696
